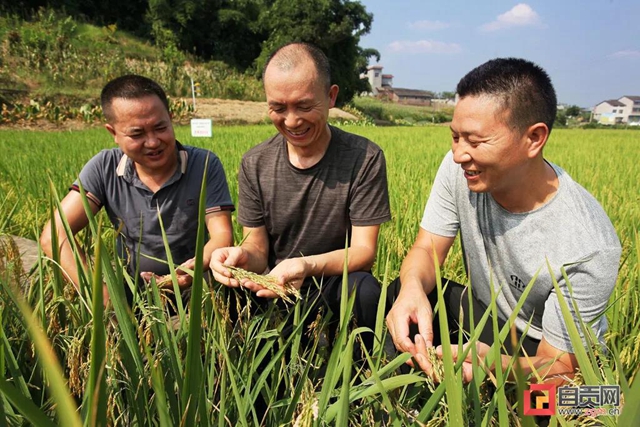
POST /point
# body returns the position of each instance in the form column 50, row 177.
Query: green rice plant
column 248, row 372
column 66, row 408
column 96, row 394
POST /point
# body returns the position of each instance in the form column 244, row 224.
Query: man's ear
column 333, row 95
column 111, row 129
column 537, row 136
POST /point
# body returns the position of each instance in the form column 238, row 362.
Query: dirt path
column 231, row 111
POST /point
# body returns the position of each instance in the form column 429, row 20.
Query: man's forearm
column 217, row 240
column 550, row 370
column 418, row 272
column 67, row 260
column 332, row 263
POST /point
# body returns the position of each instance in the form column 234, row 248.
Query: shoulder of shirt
column 348, row 140
column 265, row 148
column 108, row 155
column 585, row 206
column 570, row 188
column 568, row 184
column 197, row 151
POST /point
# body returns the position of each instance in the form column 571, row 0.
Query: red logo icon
column 545, row 403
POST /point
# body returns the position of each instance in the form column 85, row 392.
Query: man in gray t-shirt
column 520, row 219
column 149, row 175
column 305, row 190
column 309, row 211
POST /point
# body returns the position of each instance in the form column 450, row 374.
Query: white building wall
column 604, row 108
column 629, row 108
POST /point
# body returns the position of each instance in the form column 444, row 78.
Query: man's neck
column 536, row 187
column 306, row 157
column 155, row 179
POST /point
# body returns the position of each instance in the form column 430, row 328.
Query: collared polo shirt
column 111, row 181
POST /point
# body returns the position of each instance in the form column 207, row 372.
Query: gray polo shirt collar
column 127, row 171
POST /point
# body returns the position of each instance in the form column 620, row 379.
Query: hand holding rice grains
column 268, row 282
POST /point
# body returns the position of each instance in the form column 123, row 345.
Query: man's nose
column 460, row 151
column 152, row 140
column 292, row 119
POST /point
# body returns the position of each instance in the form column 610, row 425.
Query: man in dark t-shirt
column 306, row 190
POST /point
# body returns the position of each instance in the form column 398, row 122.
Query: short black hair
column 523, row 87
column 292, row 54
column 130, row 86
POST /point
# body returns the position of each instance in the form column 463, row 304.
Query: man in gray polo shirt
column 149, row 174
column 515, row 212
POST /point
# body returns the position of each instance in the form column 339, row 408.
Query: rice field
column 144, row 370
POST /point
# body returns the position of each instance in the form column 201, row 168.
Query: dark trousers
column 456, row 300
column 329, row 295
column 326, row 295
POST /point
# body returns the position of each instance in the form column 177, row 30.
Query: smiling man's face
column 299, row 103
column 143, row 130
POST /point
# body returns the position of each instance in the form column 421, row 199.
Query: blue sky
column 590, row 48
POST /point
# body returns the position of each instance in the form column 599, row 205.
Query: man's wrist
column 411, row 286
column 310, row 265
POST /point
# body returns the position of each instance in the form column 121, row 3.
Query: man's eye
column 305, row 109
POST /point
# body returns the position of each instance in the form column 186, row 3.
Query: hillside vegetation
column 53, row 57
column 223, row 45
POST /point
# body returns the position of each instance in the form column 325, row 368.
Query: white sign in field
column 201, row 127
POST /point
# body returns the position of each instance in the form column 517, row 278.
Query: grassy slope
column 56, row 58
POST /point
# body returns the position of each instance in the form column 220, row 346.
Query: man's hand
column 184, row 278
column 292, row 271
column 482, row 350
column 424, row 363
column 165, row 282
column 234, row 256
column 410, row 307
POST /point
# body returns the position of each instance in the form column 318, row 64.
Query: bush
column 401, row 114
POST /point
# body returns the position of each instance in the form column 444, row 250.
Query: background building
column 382, row 86
column 624, row 110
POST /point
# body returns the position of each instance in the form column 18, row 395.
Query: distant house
column 382, row 86
column 374, row 75
column 387, row 80
column 408, row 96
column 618, row 111
column 631, row 109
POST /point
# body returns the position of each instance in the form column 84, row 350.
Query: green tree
column 561, row 119
column 573, row 111
column 333, row 25
column 225, row 30
column 126, row 14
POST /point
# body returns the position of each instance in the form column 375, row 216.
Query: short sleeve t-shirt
column 570, row 232
column 110, row 180
column 309, row 211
